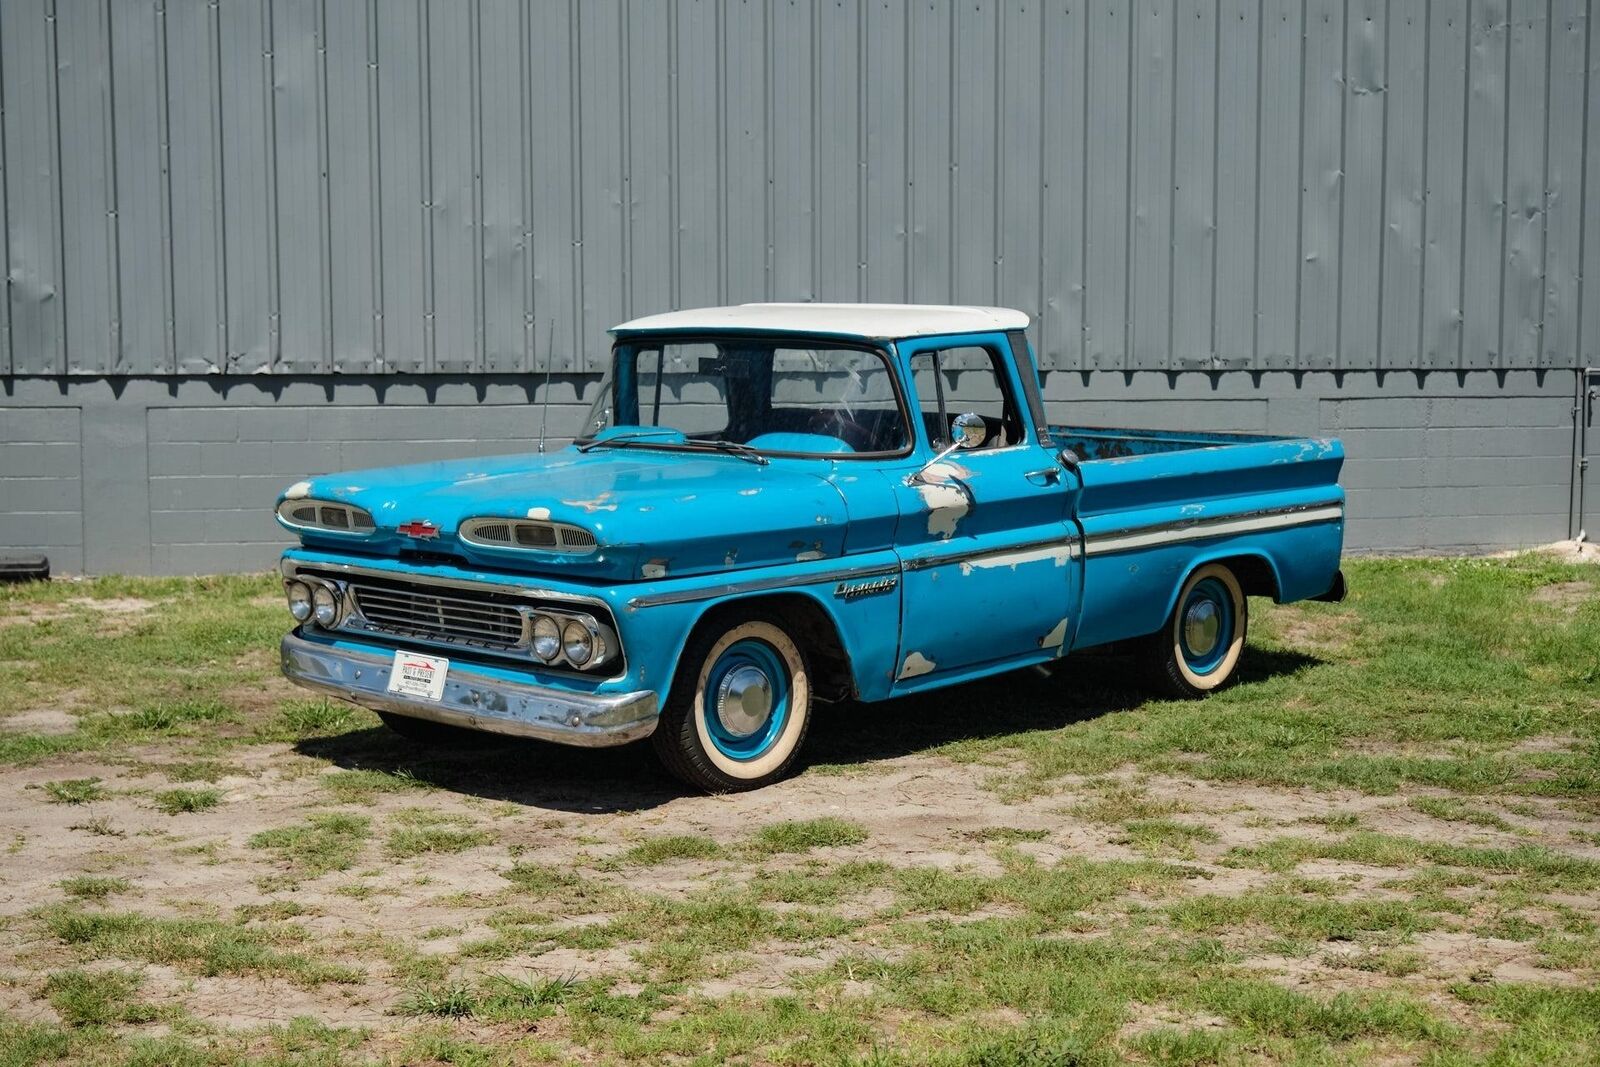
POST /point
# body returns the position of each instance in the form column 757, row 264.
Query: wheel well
column 811, row 627
column 1255, row 574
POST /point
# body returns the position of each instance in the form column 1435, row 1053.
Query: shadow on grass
column 562, row 778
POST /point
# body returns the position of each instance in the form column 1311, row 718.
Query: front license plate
column 416, row 675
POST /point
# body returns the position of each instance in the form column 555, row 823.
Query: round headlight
column 299, row 595
column 324, row 606
column 577, row 643
column 546, row 637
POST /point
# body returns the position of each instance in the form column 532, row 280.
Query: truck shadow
column 598, row 781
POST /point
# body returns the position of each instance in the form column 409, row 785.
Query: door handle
column 1044, row 476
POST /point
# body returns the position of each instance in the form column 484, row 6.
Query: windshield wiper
column 625, row 438
column 735, row 448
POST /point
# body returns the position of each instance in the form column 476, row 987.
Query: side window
column 950, row 381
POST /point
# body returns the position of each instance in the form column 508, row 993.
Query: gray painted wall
column 179, row 476
column 250, row 240
column 347, row 186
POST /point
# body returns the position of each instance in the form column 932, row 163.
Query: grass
column 75, row 791
column 1138, row 908
column 184, row 801
column 326, row 842
column 805, row 834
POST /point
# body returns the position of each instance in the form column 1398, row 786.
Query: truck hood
column 654, row 514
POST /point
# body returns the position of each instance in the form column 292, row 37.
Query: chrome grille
column 417, row 611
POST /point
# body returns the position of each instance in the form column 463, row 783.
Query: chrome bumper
column 474, row 701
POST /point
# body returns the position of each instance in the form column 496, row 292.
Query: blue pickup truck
column 772, row 505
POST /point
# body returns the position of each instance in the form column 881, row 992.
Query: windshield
column 773, row 396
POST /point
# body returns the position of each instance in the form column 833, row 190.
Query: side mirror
column 1068, row 459
column 968, row 431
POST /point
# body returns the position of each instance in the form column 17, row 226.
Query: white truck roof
column 868, row 321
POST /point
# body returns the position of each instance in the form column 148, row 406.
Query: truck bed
column 1154, row 504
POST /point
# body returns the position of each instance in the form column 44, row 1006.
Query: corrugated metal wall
column 313, row 186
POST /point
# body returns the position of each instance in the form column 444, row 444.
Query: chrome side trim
column 761, row 585
column 474, row 701
column 1023, row 553
column 1219, row 526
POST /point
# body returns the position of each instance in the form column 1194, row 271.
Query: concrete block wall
column 178, row 476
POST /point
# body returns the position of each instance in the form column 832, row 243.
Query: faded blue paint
column 998, row 558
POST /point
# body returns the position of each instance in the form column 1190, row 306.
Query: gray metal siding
column 303, row 186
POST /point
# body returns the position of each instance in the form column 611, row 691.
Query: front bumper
column 473, row 700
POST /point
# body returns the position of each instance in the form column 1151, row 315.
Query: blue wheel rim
column 747, row 653
column 1209, row 595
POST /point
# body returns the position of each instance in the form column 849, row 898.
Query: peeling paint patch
column 656, row 568
column 1056, row 637
column 748, row 492
column 297, row 491
column 538, row 513
column 916, row 664
column 946, row 504
column 731, row 558
column 1061, row 554
column 603, row 502
column 807, row 556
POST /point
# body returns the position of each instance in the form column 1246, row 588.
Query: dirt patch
column 1565, row 551
column 40, row 721
column 1564, row 596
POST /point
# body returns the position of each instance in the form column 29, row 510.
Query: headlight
column 577, row 643
column 546, row 637
column 299, row 595
column 325, row 606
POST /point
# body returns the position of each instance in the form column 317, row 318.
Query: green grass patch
column 666, row 849
column 88, row 887
column 806, row 834
column 204, row 946
column 75, row 791
column 185, row 801
column 362, row 786
column 1539, row 866
column 323, row 843
column 96, row 998
column 1454, row 809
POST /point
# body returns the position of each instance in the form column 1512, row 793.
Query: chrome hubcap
column 1201, row 625
column 744, row 700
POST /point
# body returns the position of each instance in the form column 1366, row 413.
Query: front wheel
column 739, row 709
column 1198, row 650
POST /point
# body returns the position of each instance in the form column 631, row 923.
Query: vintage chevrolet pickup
column 772, row 505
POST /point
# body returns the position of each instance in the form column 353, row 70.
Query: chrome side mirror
column 968, row 430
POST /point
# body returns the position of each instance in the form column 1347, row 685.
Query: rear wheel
column 1197, row 651
column 739, row 708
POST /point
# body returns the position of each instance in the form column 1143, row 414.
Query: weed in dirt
column 75, row 791
column 96, row 998
column 656, row 850
column 100, row 826
column 362, row 786
column 539, row 880
column 186, row 801
column 326, row 842
column 805, row 834
column 298, row 720
column 1454, row 809
column 1120, row 804
column 1005, row 834
column 88, row 887
column 205, row 946
column 172, row 716
column 1539, row 867
column 1157, row 837
column 421, row 831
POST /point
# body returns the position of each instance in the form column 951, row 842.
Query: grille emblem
column 419, row 528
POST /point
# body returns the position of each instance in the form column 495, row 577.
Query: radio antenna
column 549, row 358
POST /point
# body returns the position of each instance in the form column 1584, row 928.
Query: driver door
column 989, row 560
